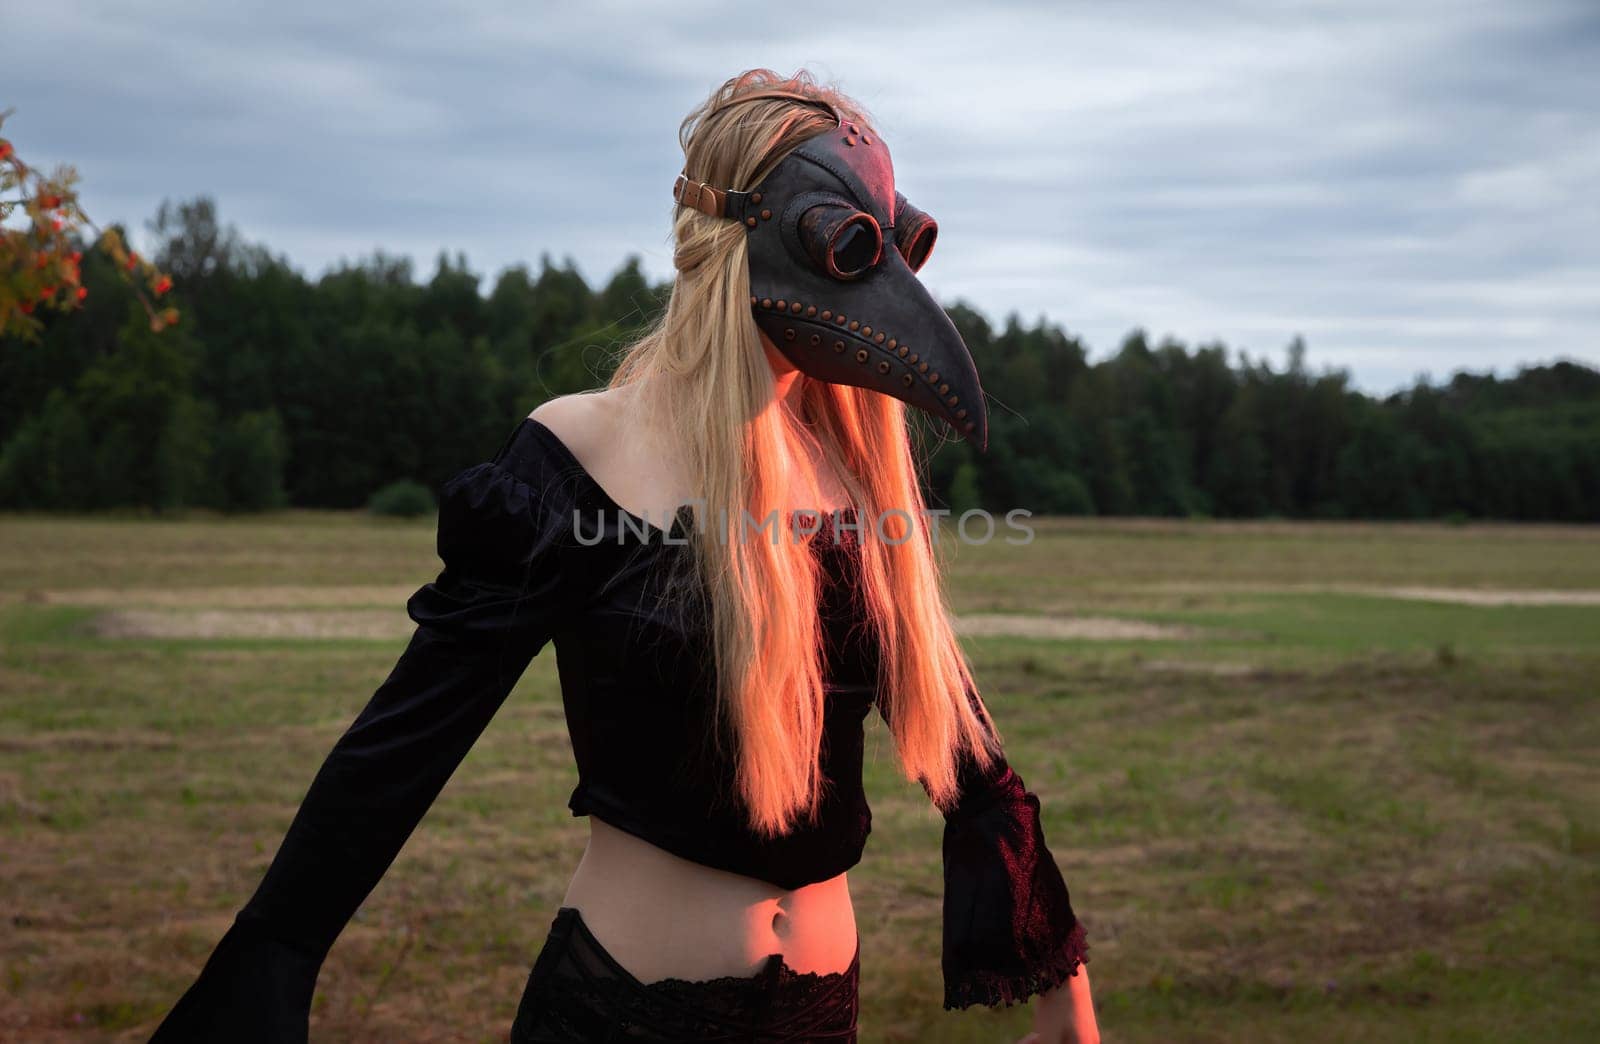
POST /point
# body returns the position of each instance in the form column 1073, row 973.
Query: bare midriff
column 662, row 916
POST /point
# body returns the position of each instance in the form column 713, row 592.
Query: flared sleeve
column 479, row 625
column 1009, row 927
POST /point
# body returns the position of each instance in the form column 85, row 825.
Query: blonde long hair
column 705, row 358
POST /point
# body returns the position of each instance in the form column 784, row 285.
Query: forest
column 276, row 391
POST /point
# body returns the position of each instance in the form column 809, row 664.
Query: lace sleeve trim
column 994, row 988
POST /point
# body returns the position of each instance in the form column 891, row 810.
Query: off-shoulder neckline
column 683, row 519
column 555, row 442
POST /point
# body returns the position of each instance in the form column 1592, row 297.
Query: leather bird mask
column 834, row 252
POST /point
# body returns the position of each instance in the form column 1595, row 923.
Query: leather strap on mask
column 708, row 200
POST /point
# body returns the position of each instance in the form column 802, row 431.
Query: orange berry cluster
column 37, row 265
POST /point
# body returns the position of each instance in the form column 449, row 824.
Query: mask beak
column 884, row 332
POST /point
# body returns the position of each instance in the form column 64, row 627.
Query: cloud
column 1408, row 186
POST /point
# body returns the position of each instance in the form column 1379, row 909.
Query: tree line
column 278, row 390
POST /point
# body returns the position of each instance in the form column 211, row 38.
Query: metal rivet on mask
column 934, row 377
column 795, row 306
column 960, row 414
column 826, row 315
column 866, row 331
column 891, row 344
column 811, row 310
column 838, row 346
column 766, row 302
column 816, row 339
column 950, row 401
column 879, row 338
column 855, row 324
column 766, row 214
column 752, row 299
column 750, row 221
column 849, row 140
column 780, row 305
column 883, row 367
column 913, row 358
column 788, row 333
column 969, row 428
column 839, row 319
column 903, row 351
column 944, row 389
column 755, row 197
column 906, row 380
column 922, row 367
column 861, row 355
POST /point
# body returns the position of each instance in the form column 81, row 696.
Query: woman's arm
column 479, row 625
column 1065, row 1014
column 1009, row 928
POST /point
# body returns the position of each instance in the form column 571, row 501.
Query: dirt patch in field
column 394, row 624
column 281, row 596
column 1218, row 669
column 1485, row 596
column 1093, row 628
column 71, row 740
column 247, row 623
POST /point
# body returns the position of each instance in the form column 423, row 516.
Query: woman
column 716, row 673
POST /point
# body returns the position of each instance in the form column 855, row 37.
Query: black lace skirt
column 578, row 992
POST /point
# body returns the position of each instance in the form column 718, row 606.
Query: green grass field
column 1328, row 814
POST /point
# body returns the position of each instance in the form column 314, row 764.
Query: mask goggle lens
column 841, row 240
column 914, row 233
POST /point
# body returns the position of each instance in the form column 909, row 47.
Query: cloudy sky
column 1409, row 186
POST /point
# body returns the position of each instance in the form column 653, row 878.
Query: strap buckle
column 699, row 195
column 718, row 203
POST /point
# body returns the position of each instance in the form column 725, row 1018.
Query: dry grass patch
column 268, row 596
column 1187, row 595
column 246, row 623
column 1014, row 625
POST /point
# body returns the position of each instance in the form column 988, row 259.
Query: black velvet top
column 535, row 552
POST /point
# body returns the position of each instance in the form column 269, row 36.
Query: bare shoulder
column 582, row 420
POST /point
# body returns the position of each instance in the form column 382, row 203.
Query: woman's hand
column 1065, row 1014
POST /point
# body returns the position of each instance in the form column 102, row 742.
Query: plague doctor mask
column 833, row 253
